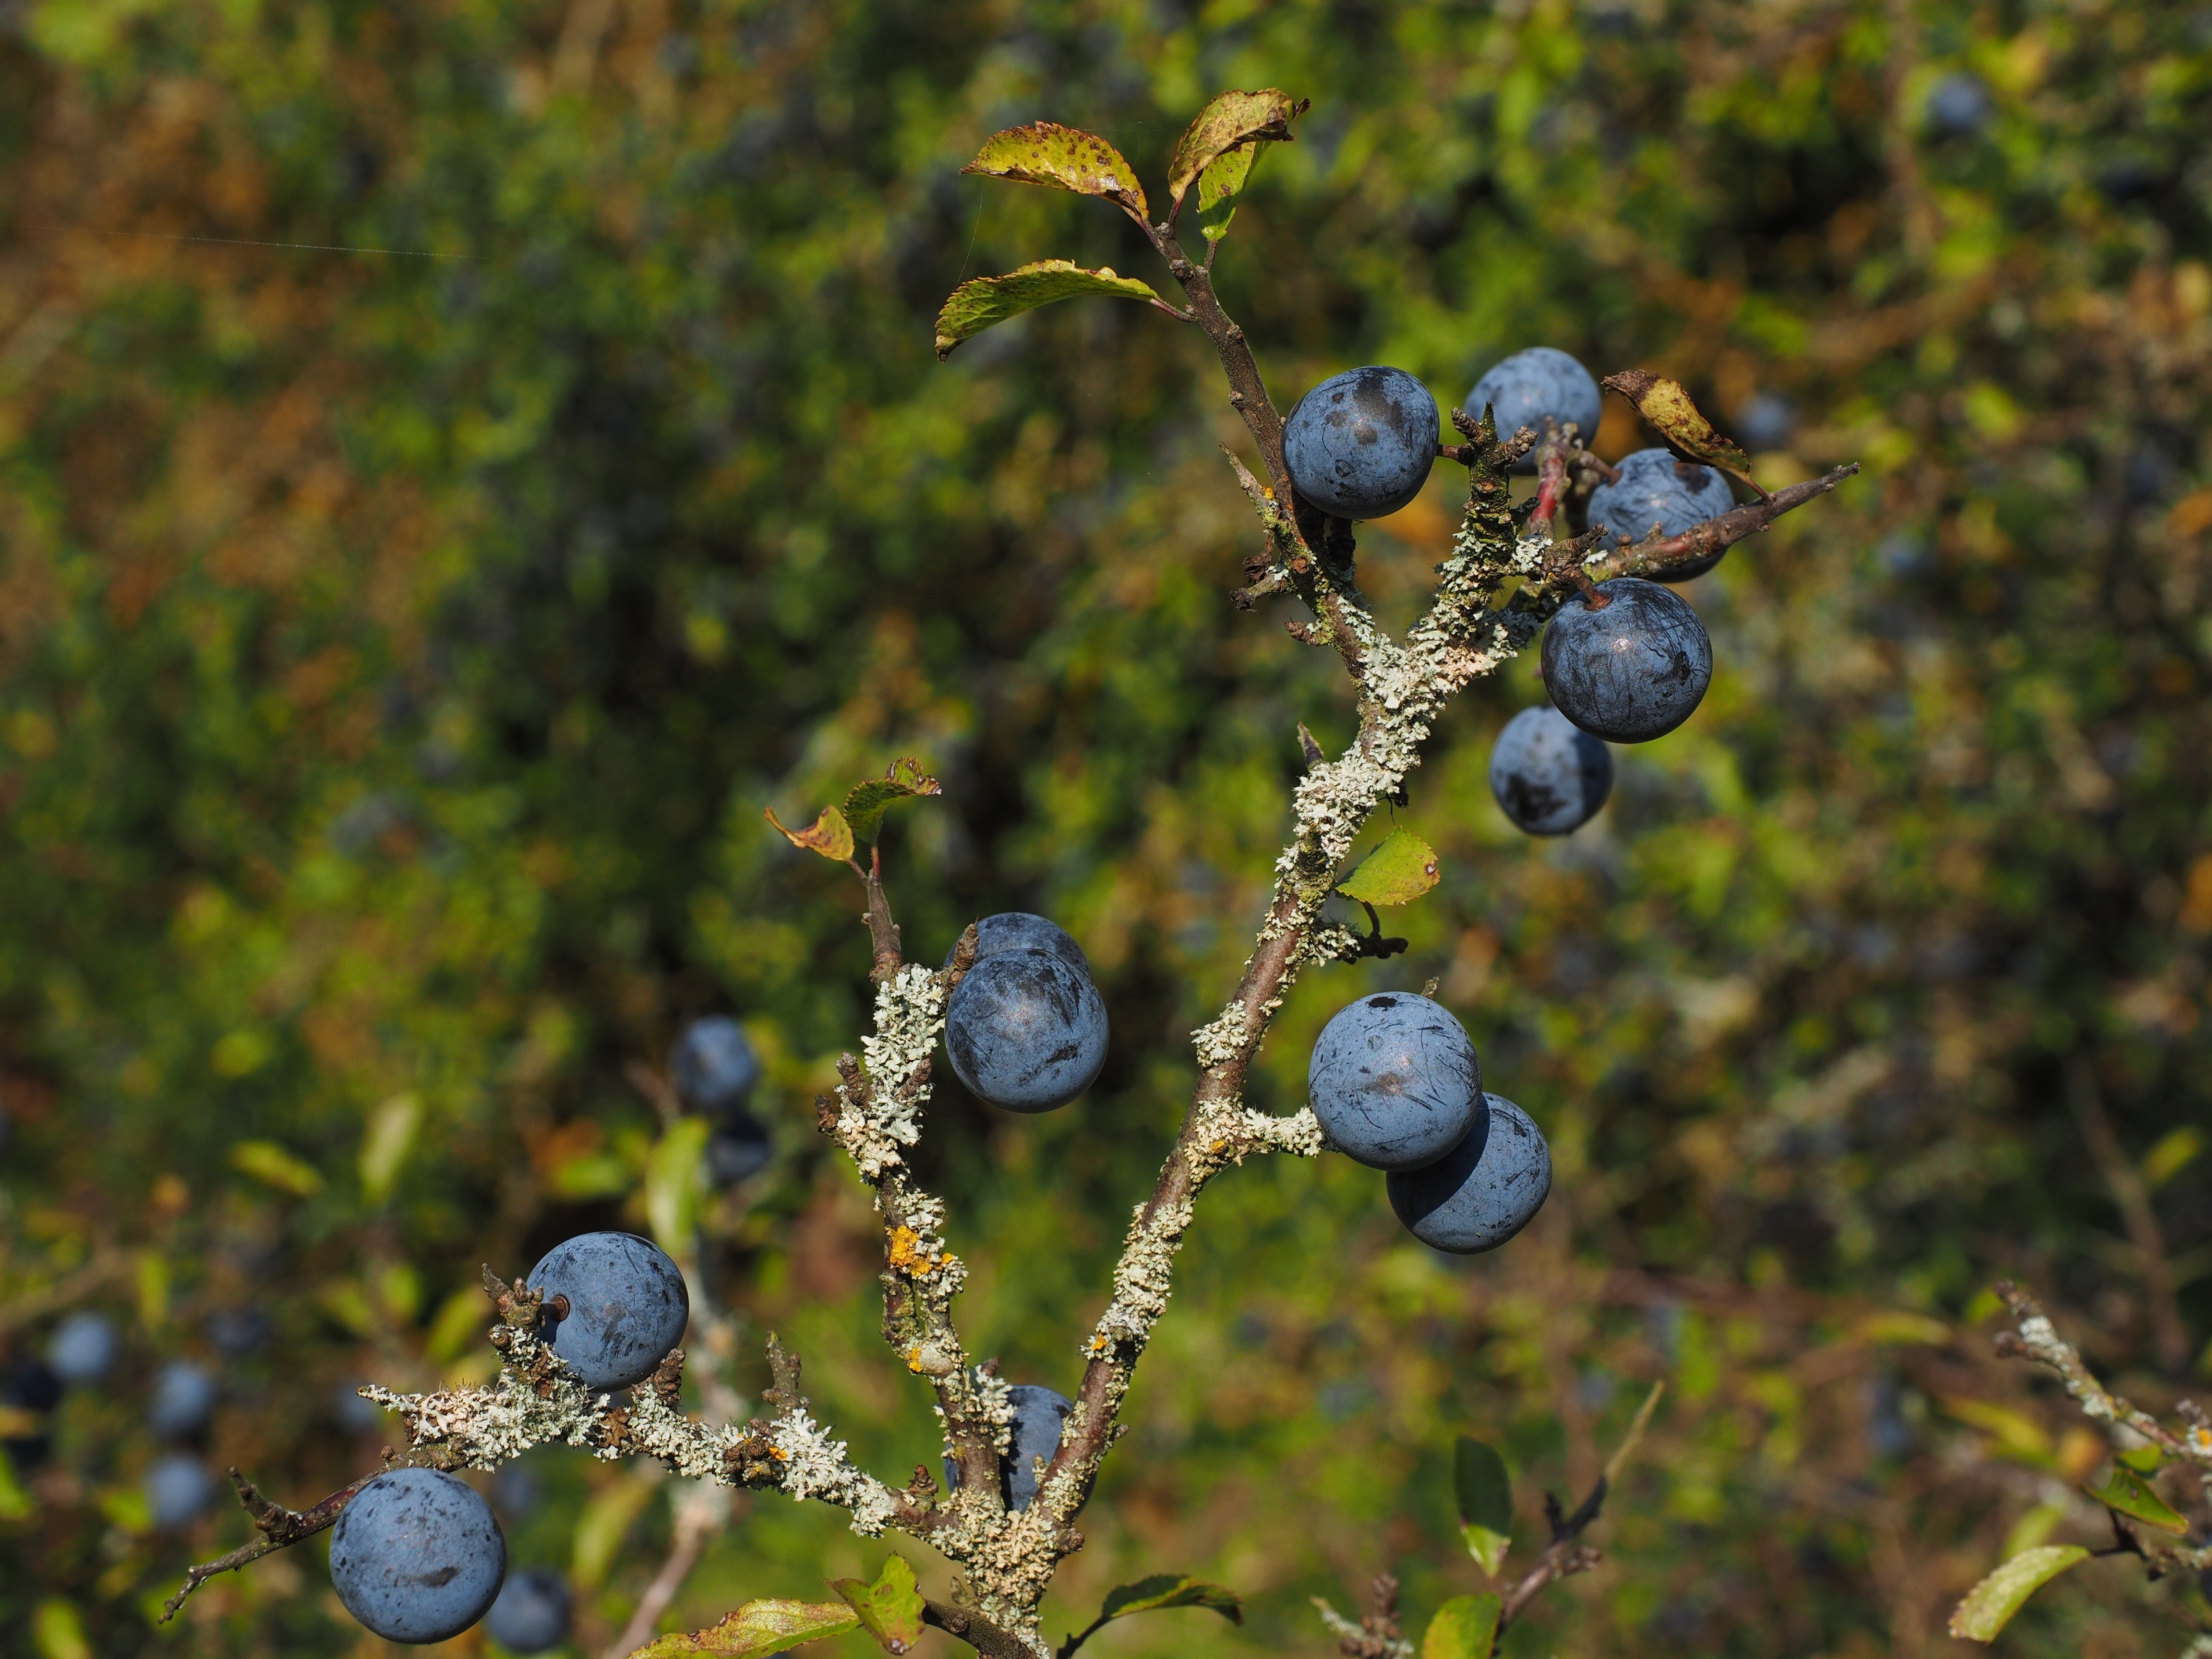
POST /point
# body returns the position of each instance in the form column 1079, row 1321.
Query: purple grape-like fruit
column 417, row 1556
column 1018, row 930
column 1394, row 1081
column 714, row 1065
column 627, row 1306
column 1526, row 387
column 531, row 1614
column 1483, row 1191
column 1026, row 1032
column 1959, row 105
column 1547, row 776
column 1039, row 1413
column 184, row 1399
column 1360, row 444
column 1656, row 489
column 1631, row 670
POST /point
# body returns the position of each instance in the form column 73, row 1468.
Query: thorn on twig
column 1310, row 745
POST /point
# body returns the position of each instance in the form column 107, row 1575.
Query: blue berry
column 177, row 1490
column 239, row 1330
column 1018, row 930
column 1959, row 105
column 184, row 1399
column 1026, row 1032
column 739, row 1150
column 1654, row 487
column 82, row 1348
column 714, row 1065
column 417, row 1556
column 627, row 1306
column 1547, row 776
column 1395, row 1082
column 354, row 1414
column 1634, row 670
column 1360, row 444
column 532, row 1613
column 1039, row 1413
column 1532, row 384
column 1483, row 1191
column 1767, row 421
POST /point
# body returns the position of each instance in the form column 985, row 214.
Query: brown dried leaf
column 1666, row 407
column 830, row 835
column 1064, row 158
column 1229, row 120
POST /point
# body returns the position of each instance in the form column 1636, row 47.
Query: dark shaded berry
column 1395, row 1082
column 627, row 1306
column 1483, row 1191
column 177, row 1491
column 1632, row 670
column 1039, row 1415
column 1018, row 930
column 1531, row 385
column 184, row 1399
column 1026, row 1032
column 532, row 1613
column 417, row 1556
column 714, row 1065
column 1360, row 444
column 1656, row 489
column 82, row 1348
column 1546, row 775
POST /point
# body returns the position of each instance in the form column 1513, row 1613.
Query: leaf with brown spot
column 872, row 797
column 830, row 835
column 890, row 1608
column 1231, row 118
column 755, row 1631
column 976, row 306
column 1400, row 870
column 1668, row 409
column 1063, row 158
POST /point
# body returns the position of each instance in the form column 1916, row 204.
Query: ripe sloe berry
column 1959, row 105
column 714, row 1065
column 532, row 1613
column 1631, row 672
column 1531, row 385
column 1018, row 930
column 1548, row 776
column 739, row 1150
column 1360, row 444
column 1039, row 1413
column 184, row 1398
column 1026, row 1032
column 82, row 1348
column 417, row 1556
column 177, row 1490
column 1481, row 1193
column 1654, row 487
column 1395, row 1082
column 1766, row 421
column 627, row 1306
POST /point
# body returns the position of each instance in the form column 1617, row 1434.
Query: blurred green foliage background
column 397, row 651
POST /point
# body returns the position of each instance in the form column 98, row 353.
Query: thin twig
column 2132, row 1197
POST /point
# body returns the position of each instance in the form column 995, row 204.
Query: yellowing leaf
column 890, row 1608
column 976, row 306
column 2021, row 1436
column 830, row 835
column 1229, row 119
column 385, row 1143
column 676, row 1183
column 1896, row 1328
column 1168, row 1590
column 271, row 1164
column 605, row 1520
column 869, row 800
column 757, row 1630
column 1485, row 1492
column 1065, row 158
column 1989, row 1606
column 1464, row 1627
column 2176, row 1150
column 1400, row 870
column 1666, row 406
column 2130, row 1494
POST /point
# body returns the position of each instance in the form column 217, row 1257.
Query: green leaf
column 755, row 1630
column 676, row 1183
column 2143, row 1460
column 890, row 1608
column 1485, row 1492
column 1221, row 183
column 869, row 800
column 2129, row 1494
column 1989, row 1606
column 384, row 1146
column 1168, row 1590
column 272, row 1165
column 976, row 306
column 1464, row 1627
column 1064, row 158
column 1400, row 870
column 829, row 835
column 1229, row 119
